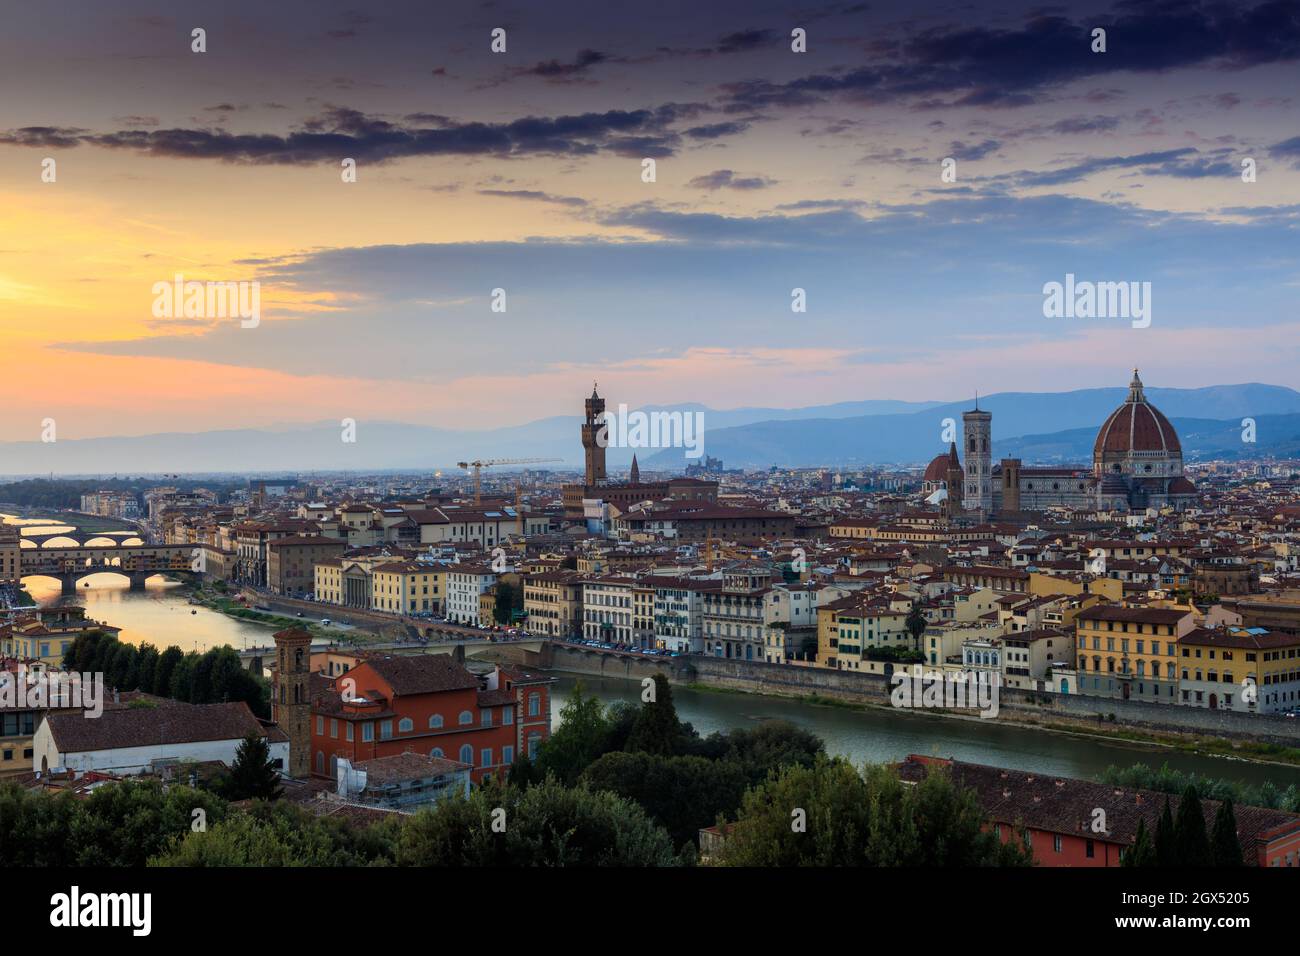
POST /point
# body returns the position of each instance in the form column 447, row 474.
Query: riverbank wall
column 782, row 680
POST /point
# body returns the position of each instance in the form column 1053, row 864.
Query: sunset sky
column 522, row 170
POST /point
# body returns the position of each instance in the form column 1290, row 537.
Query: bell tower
column 291, row 697
column 977, row 435
column 953, row 481
column 595, row 452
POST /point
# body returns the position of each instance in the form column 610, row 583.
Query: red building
column 428, row 704
column 1059, row 815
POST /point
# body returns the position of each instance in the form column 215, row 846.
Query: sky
column 523, row 171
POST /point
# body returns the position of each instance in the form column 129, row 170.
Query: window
column 386, row 729
column 507, row 755
column 1056, row 843
column 435, row 722
column 467, row 754
column 466, row 718
column 508, row 714
column 485, row 717
column 348, row 728
column 405, row 725
column 1089, row 850
column 436, row 752
column 320, row 725
column 485, row 757
column 534, row 705
column 367, row 732
column 334, row 728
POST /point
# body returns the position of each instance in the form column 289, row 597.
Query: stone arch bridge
column 136, row 562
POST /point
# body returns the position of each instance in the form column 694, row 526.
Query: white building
column 131, row 740
column 465, row 583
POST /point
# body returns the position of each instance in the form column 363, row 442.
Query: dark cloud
column 1288, row 149
column 535, row 196
column 340, row 133
column 744, row 40
column 726, row 179
column 973, row 151
column 990, row 66
column 556, row 72
column 716, row 130
column 54, row 137
column 1078, row 171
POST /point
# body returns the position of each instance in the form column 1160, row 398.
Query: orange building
column 431, row 705
column 1057, row 816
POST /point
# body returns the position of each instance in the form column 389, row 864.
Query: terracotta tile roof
column 1065, row 805
column 152, row 726
column 422, row 674
column 407, row 766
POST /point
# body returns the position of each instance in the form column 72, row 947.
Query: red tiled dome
column 1137, row 425
column 937, row 470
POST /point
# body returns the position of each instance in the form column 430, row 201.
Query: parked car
column 326, row 621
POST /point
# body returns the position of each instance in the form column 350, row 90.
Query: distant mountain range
column 1055, row 426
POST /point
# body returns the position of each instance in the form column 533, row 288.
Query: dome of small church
column 1136, row 426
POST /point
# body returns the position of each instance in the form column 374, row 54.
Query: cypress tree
column 1225, row 848
column 1143, row 851
column 1166, row 847
column 1189, row 831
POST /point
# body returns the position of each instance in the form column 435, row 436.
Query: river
column 877, row 736
column 161, row 614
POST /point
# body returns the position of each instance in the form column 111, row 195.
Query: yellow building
column 1242, row 669
column 1130, row 652
column 849, row 628
column 10, row 555
column 553, row 603
column 406, row 587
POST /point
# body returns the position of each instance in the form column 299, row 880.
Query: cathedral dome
column 937, row 470
column 1136, row 426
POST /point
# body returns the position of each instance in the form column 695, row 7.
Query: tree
column 1143, row 850
column 168, row 661
column 1193, row 845
column 548, row 824
column 581, row 737
column 916, row 624
column 280, row 834
column 657, row 729
column 253, row 774
column 1225, row 847
column 126, row 823
column 146, row 665
column 832, row 815
column 681, row 794
column 1165, row 842
column 772, row 745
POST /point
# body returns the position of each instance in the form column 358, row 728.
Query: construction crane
column 478, row 466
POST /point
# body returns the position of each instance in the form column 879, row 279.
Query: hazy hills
column 1034, row 426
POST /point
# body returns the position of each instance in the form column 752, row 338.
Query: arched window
column 435, row 721
column 405, row 725
column 436, row 752
column 320, row 761
column 467, row 754
column 465, row 718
